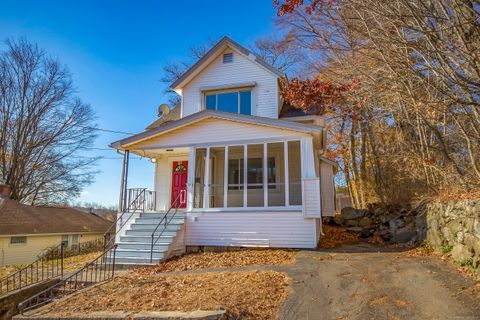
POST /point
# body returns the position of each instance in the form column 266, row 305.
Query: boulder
column 404, row 235
column 349, row 213
column 461, row 252
column 355, row 229
column 365, row 222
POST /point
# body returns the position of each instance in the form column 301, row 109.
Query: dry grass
column 215, row 260
column 245, row 295
column 336, row 236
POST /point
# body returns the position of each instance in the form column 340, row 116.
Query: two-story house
column 234, row 165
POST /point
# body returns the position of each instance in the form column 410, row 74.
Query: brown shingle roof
column 17, row 218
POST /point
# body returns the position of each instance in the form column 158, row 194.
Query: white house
column 234, row 165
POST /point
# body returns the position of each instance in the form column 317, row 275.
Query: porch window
column 199, row 183
column 250, row 175
column 232, row 101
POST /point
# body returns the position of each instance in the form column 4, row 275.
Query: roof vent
column 228, row 58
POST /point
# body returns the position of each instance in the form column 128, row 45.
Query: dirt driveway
column 358, row 282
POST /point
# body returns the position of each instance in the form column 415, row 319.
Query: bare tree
column 44, row 127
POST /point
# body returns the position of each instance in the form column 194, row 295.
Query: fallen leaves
column 245, row 295
column 336, row 236
column 215, row 260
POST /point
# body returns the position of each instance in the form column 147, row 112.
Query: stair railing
column 164, row 222
column 100, row 269
column 47, row 266
column 132, row 208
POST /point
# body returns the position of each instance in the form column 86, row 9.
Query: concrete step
column 151, row 227
column 146, row 239
column 155, row 222
column 149, row 233
column 159, row 215
column 142, row 254
column 159, row 246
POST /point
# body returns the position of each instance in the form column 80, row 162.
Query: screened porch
column 247, row 176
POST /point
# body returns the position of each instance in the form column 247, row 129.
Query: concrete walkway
column 359, row 282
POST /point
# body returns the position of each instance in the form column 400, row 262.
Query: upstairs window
column 233, row 101
column 18, row 240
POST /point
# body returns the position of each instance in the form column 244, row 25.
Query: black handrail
column 47, row 266
column 98, row 270
column 165, row 217
column 107, row 236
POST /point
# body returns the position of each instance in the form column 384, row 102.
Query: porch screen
column 276, row 174
column 294, row 173
column 199, row 182
column 235, row 176
column 217, row 168
column 255, row 175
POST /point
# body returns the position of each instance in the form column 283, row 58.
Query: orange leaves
column 316, row 94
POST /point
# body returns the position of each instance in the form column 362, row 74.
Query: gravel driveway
column 359, row 282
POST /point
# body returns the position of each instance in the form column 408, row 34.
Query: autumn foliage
column 315, row 94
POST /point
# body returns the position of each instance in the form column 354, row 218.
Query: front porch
column 251, row 185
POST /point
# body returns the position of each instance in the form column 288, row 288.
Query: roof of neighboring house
column 173, row 115
column 17, row 218
column 225, row 41
column 198, row 116
column 289, row 111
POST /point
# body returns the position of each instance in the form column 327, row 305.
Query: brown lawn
column 245, row 295
column 215, row 260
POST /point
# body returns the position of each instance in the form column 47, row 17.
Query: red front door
column 179, row 183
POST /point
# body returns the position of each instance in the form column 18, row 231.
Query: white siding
column 311, row 198
column 264, row 95
column 215, row 131
column 327, row 189
column 263, row 229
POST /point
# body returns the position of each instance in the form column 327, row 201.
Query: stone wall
column 9, row 303
column 454, row 227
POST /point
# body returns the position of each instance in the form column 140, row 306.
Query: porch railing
column 47, row 266
column 139, row 200
column 164, row 222
column 101, row 269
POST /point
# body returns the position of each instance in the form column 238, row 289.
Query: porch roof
column 208, row 114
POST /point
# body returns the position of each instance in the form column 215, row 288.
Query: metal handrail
column 96, row 271
column 114, row 224
column 47, row 266
column 165, row 217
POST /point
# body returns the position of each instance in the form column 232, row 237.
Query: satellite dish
column 163, row 110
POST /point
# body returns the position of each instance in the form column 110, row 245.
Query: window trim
column 237, row 90
column 18, row 243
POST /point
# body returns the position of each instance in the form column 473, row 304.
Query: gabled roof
column 199, row 116
column 225, row 41
column 21, row 219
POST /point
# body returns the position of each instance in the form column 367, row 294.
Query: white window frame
column 18, row 243
column 217, row 92
column 206, row 195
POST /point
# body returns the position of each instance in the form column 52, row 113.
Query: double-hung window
column 232, row 101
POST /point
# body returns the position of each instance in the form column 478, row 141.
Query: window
column 70, row 240
column 228, row 57
column 233, row 101
column 18, row 240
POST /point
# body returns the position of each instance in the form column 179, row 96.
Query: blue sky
column 116, row 51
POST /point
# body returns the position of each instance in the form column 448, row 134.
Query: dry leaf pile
column 215, row 260
column 245, row 295
column 336, row 236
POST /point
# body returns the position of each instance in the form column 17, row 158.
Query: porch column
column 191, row 178
column 122, row 202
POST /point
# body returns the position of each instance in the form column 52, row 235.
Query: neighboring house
column 26, row 231
column 243, row 166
